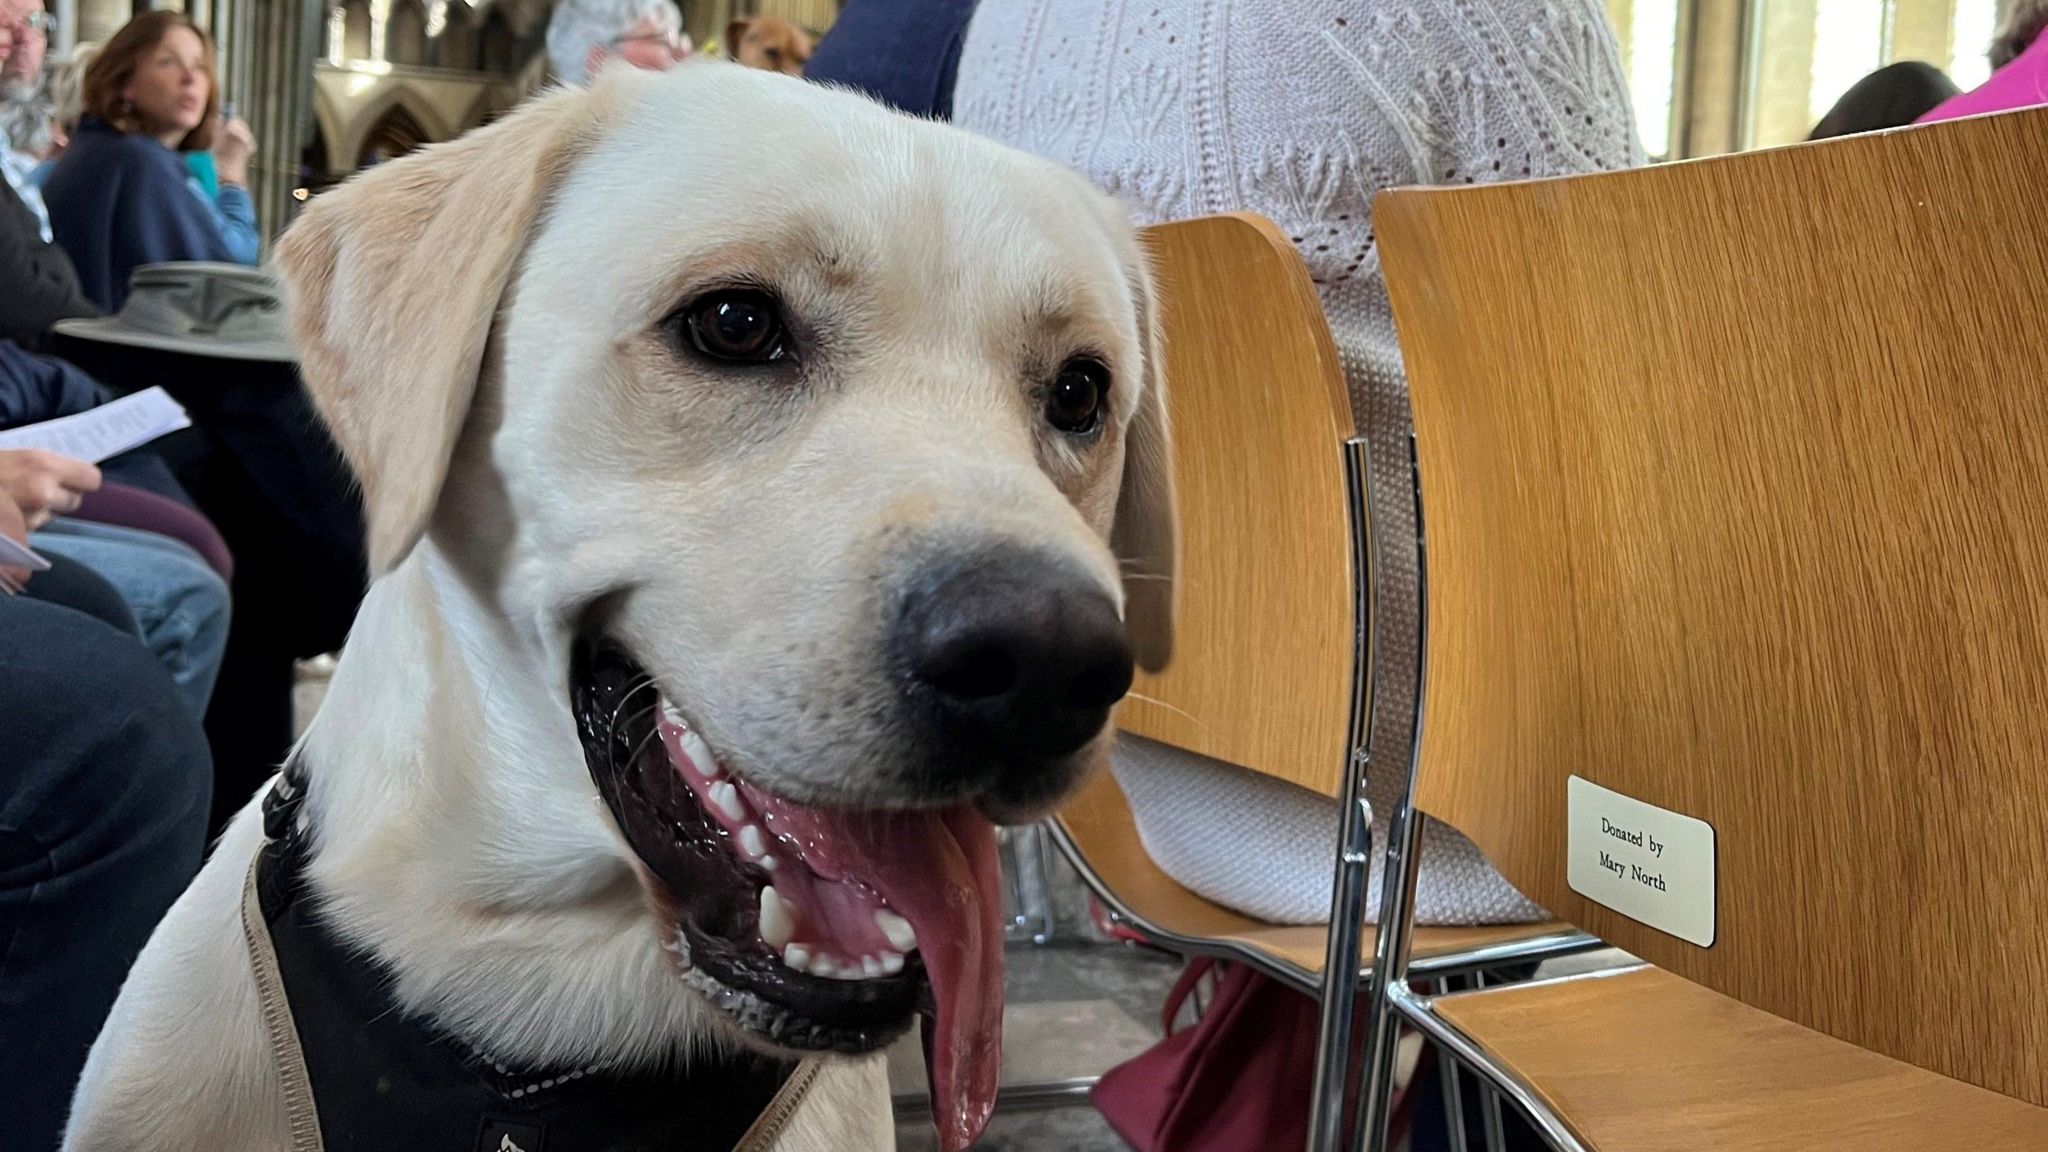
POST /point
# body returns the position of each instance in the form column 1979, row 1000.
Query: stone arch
column 390, row 136
column 420, row 115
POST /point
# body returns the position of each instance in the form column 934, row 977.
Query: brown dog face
column 769, row 43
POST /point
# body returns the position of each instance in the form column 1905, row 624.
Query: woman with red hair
column 122, row 195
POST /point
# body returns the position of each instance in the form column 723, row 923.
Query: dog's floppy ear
column 735, row 35
column 393, row 281
column 1146, row 538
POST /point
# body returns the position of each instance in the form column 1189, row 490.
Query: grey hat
column 221, row 310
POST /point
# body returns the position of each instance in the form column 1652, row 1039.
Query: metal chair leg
column 1452, row 1076
column 1031, row 1095
column 1396, row 933
column 1489, row 1101
column 1334, row 1074
column 1029, row 877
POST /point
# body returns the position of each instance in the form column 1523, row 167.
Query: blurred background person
column 2019, row 62
column 769, row 43
column 38, row 286
column 103, row 789
column 121, row 196
column 1891, row 97
column 584, row 34
column 26, row 117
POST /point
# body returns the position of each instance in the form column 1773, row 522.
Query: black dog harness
column 361, row 1075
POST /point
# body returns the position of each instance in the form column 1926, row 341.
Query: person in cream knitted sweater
column 1301, row 110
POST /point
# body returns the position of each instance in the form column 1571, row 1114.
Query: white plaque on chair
column 1645, row 862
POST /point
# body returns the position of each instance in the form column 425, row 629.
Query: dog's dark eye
column 1074, row 403
column 740, row 325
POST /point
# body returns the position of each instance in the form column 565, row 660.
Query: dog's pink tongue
column 938, row 870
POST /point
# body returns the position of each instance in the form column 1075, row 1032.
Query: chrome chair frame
column 1335, row 992
column 1393, row 999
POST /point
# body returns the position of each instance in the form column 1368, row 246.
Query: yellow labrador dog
column 767, row 492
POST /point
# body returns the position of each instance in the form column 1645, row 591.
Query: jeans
column 180, row 603
column 104, row 786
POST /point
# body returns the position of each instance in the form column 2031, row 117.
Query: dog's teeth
column 770, row 863
column 700, row 755
column 797, row 956
column 778, row 920
column 897, row 929
column 727, row 798
column 755, row 844
column 823, row 966
column 669, row 713
column 870, row 967
column 892, row 963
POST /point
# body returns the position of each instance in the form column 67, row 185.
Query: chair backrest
column 1735, row 476
column 1262, row 674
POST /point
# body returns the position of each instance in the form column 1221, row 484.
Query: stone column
column 267, row 55
column 1712, row 76
column 98, row 19
column 66, row 12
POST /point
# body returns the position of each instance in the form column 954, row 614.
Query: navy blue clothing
column 36, row 388
column 904, row 53
column 103, row 794
column 120, row 201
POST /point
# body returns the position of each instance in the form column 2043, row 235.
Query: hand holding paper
column 108, row 430
column 16, row 560
column 43, row 484
column 46, row 469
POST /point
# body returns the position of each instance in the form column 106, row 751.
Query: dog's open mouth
column 812, row 929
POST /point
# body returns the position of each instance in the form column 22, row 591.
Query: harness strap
column 285, row 1056
column 280, row 818
column 775, row 1117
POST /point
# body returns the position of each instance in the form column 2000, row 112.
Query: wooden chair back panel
column 1735, row 476
column 1262, row 671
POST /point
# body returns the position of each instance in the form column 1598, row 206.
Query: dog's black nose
column 1013, row 654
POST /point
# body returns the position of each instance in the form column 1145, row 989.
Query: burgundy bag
column 1237, row 1081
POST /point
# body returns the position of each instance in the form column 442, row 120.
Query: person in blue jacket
column 122, row 195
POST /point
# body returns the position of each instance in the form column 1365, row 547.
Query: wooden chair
column 1270, row 634
column 1737, row 483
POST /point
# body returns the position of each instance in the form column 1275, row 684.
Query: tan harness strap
column 774, row 1118
column 285, row 1055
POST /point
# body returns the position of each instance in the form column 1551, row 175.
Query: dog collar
column 362, row 1075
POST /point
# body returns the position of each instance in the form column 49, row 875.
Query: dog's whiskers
column 652, row 733
column 638, row 686
column 636, row 717
column 1140, row 696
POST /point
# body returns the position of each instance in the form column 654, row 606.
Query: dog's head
column 824, row 450
column 769, row 43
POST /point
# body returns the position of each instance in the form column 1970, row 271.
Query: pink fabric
column 2020, row 84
